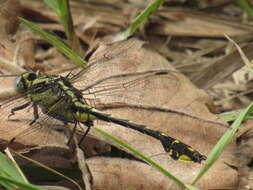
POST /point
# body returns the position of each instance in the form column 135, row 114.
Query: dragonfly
column 61, row 98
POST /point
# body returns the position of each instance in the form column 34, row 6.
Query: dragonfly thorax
column 55, row 96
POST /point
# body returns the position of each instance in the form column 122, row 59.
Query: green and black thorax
column 55, row 95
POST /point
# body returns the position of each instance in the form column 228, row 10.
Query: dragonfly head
column 24, row 81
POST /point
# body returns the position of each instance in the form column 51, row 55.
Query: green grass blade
column 42, row 166
column 191, row 187
column 20, row 184
column 232, row 115
column 151, row 162
column 224, row 140
column 62, row 47
column 65, row 16
column 141, row 18
column 245, row 6
column 62, row 9
column 8, row 169
column 53, row 5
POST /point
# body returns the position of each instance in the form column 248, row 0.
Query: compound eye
column 19, row 85
column 31, row 76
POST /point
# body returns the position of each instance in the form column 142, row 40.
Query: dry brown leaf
column 115, row 16
column 245, row 156
column 186, row 22
column 217, row 71
column 114, row 173
column 175, row 93
column 9, row 13
column 188, row 120
column 215, row 3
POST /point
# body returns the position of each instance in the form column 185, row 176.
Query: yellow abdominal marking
column 165, row 134
column 176, row 141
column 184, row 158
column 191, row 149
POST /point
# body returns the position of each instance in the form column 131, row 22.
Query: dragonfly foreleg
column 13, row 110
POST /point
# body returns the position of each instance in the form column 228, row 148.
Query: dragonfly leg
column 89, row 124
column 13, row 110
column 72, row 133
column 35, row 114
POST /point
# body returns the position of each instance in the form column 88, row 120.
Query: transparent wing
column 107, row 54
column 130, row 88
column 45, row 131
column 106, row 80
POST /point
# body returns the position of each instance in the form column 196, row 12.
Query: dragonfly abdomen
column 175, row 148
column 81, row 112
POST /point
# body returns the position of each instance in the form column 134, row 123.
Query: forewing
column 130, row 88
column 106, row 55
column 45, row 131
column 103, row 83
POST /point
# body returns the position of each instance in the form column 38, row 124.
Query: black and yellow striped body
column 57, row 98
